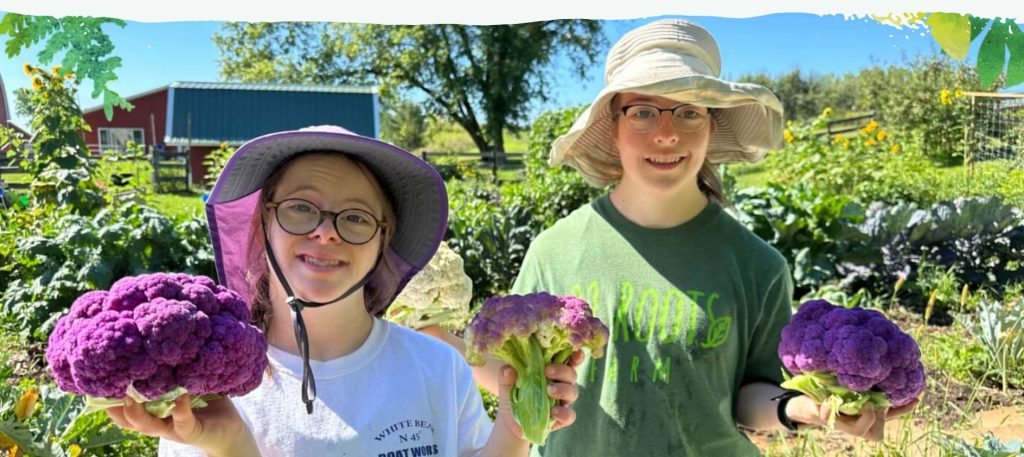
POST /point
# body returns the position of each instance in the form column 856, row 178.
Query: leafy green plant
column 215, row 162
column 999, row 178
column 986, row 446
column 556, row 192
column 855, row 164
column 940, row 285
column 491, row 226
column 833, row 293
column 452, row 167
column 546, row 128
column 896, row 169
column 1000, row 328
column 59, row 160
column 42, row 421
column 981, row 240
column 491, row 233
column 924, row 96
column 54, row 255
column 955, row 351
column 813, row 230
column 124, row 174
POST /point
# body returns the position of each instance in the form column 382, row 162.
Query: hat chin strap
column 297, row 305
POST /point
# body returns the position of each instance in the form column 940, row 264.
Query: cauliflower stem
column 824, row 387
column 160, row 407
column 531, row 405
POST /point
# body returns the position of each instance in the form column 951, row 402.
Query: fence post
column 188, row 171
column 156, row 169
column 968, row 149
column 494, row 165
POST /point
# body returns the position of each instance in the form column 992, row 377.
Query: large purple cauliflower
column 155, row 337
column 529, row 332
column 850, row 357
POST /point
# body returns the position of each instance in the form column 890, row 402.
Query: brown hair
column 258, row 276
column 708, row 181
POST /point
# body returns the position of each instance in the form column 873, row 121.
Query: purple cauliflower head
column 585, row 330
column 156, row 333
column 861, row 348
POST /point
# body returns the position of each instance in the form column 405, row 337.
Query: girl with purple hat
column 320, row 229
column 696, row 302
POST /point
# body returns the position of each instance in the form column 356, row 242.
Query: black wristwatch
column 783, row 400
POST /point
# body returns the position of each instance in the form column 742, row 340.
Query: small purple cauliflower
column 529, row 332
column 155, row 337
column 850, row 357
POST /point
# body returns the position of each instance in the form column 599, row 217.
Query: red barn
column 6, row 113
column 144, row 124
column 194, row 118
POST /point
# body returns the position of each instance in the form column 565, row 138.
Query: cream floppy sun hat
column 679, row 60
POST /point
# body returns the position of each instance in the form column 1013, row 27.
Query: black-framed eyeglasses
column 645, row 118
column 301, row 217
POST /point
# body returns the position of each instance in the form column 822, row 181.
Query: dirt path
column 1005, row 423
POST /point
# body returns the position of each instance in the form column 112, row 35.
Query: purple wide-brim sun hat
column 415, row 189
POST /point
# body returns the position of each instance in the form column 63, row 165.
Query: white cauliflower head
column 439, row 294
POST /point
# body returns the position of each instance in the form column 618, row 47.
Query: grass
column 749, row 175
column 450, row 137
column 16, row 178
column 177, row 206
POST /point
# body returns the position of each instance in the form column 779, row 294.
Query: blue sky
column 156, row 54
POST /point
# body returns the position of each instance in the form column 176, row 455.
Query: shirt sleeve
column 474, row 424
column 763, row 362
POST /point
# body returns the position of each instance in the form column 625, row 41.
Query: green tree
column 805, row 95
column 926, row 98
column 481, row 77
column 404, row 123
column 85, row 45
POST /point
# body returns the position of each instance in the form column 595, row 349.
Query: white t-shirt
column 402, row 394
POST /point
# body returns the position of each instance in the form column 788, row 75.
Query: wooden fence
column 492, row 160
column 171, row 170
column 846, row 124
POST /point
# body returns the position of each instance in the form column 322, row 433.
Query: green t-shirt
column 695, row 312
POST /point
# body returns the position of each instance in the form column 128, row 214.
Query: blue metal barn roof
column 235, row 113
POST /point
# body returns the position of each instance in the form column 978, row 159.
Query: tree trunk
column 497, row 143
column 478, row 139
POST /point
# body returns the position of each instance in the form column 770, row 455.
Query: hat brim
column 749, row 120
column 415, row 189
